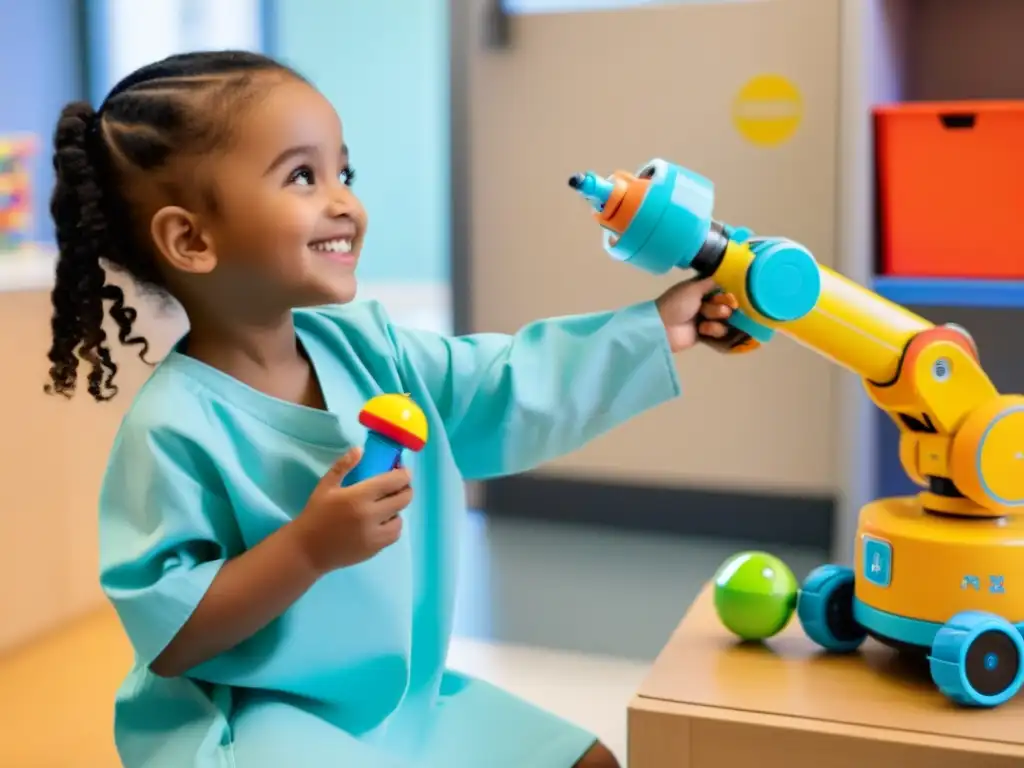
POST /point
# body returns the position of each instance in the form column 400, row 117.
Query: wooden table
column 710, row 702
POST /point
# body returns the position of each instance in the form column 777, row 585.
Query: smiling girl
column 278, row 617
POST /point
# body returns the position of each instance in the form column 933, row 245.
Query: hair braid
column 83, row 238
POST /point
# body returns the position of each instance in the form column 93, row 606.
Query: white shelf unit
column 29, row 268
column 909, row 50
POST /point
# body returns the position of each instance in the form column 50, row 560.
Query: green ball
column 755, row 595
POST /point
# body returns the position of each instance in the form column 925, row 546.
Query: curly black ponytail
column 184, row 103
column 83, row 238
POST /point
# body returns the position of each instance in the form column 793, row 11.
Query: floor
column 566, row 617
column 570, row 617
column 585, row 589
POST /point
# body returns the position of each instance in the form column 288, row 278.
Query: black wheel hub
column 992, row 663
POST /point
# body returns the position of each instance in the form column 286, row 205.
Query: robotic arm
column 961, row 441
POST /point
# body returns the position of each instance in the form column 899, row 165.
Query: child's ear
column 182, row 242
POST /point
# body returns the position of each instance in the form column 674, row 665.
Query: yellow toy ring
column 396, row 417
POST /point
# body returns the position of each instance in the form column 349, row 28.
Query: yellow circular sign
column 768, row 110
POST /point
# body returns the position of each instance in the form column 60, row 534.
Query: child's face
column 287, row 230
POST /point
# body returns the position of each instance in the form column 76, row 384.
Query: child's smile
column 336, row 249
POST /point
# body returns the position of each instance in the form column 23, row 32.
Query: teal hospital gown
column 353, row 674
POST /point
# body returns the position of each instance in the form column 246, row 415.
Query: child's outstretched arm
column 511, row 402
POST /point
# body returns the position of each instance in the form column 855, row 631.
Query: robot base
column 942, row 586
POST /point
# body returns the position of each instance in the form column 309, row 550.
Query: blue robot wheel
column 825, row 609
column 977, row 659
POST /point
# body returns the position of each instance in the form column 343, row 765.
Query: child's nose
column 341, row 202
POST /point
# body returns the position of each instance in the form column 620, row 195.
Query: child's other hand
column 688, row 316
column 344, row 526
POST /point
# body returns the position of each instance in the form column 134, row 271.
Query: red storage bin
column 951, row 188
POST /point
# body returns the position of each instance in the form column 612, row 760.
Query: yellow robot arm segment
column 960, row 439
column 850, row 325
column 926, row 378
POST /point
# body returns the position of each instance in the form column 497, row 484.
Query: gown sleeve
column 512, row 402
column 164, row 534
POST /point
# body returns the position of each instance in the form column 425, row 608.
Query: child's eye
column 348, row 175
column 302, row 176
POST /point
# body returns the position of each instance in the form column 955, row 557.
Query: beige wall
column 607, row 90
column 53, row 455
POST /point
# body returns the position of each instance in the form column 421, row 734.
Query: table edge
column 646, row 705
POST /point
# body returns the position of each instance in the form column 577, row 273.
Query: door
column 612, row 89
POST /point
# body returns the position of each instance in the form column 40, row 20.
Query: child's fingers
column 714, row 311
column 712, row 329
column 725, row 299
column 703, row 286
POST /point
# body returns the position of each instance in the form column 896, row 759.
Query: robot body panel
column 918, row 565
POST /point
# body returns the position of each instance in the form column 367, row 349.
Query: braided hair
column 181, row 104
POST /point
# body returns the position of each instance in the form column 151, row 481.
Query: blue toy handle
column 380, row 455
